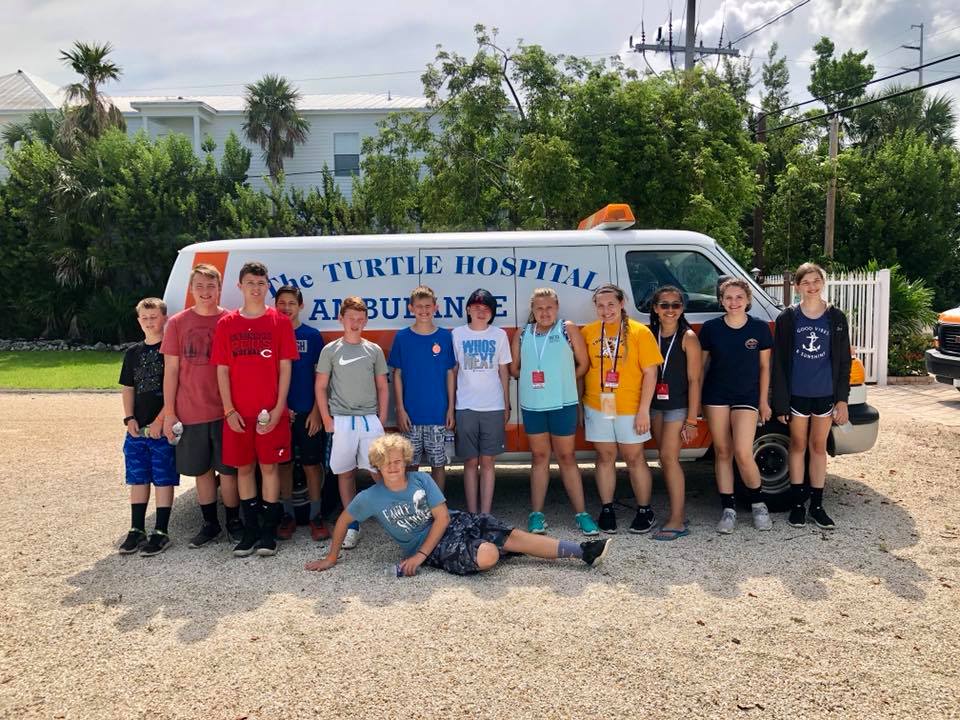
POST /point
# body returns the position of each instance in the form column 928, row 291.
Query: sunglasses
column 669, row 305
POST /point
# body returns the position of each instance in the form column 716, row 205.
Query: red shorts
column 249, row 446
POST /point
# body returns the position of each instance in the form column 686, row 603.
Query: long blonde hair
column 541, row 293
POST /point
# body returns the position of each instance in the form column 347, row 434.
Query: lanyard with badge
column 611, row 379
column 663, row 389
column 537, row 377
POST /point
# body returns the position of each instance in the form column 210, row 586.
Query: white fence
column 865, row 299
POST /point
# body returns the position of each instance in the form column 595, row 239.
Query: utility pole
column 761, row 137
column 918, row 48
column 691, row 36
column 689, row 49
column 832, row 187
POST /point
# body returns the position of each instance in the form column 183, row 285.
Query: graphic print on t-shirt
column 251, row 342
column 148, row 373
column 198, row 345
column 479, row 354
column 409, row 516
column 812, row 345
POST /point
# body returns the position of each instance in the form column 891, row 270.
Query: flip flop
column 669, row 534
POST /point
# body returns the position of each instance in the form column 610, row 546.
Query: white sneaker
column 728, row 521
column 761, row 516
column 351, row 539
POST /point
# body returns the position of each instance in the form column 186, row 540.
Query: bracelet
column 421, row 552
column 229, row 412
column 128, row 418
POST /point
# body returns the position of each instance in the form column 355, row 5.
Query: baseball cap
column 483, row 297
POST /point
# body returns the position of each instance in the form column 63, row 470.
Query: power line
column 769, row 22
column 865, row 103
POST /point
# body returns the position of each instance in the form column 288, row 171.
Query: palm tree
column 273, row 121
column 931, row 116
column 93, row 112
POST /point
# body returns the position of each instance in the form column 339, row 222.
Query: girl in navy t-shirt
column 736, row 354
column 811, row 384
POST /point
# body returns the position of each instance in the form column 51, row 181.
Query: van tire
column 771, row 450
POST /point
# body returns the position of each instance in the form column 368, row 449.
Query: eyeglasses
column 669, row 305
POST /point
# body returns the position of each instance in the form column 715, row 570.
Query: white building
column 338, row 124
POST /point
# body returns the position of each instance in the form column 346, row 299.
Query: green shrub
column 905, row 355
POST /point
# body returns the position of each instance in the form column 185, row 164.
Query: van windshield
column 693, row 273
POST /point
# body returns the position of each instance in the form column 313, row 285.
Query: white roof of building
column 23, row 92
column 356, row 102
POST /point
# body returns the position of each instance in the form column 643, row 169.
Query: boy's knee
column 487, row 461
column 487, row 556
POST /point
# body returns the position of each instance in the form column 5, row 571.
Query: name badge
column 612, row 379
column 537, row 379
column 663, row 391
column 608, row 405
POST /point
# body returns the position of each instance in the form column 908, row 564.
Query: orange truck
column 943, row 359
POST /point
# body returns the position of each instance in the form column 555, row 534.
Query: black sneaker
column 821, row 518
column 248, row 543
column 607, row 521
column 267, row 547
column 158, row 542
column 235, row 530
column 798, row 516
column 594, row 551
column 135, row 538
column 208, row 533
column 642, row 521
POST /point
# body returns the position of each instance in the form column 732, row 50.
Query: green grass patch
column 60, row 370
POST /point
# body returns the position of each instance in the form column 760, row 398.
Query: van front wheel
column 771, row 451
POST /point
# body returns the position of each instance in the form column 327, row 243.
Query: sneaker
column 761, row 516
column 642, row 521
column 135, row 538
column 351, row 539
column 318, row 530
column 728, row 521
column 594, row 551
column 248, row 543
column 235, row 530
column 536, row 523
column 607, row 521
column 586, row 524
column 286, row 528
column 797, row 516
column 267, row 547
column 821, row 518
column 158, row 542
column 208, row 533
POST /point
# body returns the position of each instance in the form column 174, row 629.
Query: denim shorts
column 560, row 422
column 618, row 429
column 673, row 415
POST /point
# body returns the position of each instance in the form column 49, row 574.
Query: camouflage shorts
column 457, row 550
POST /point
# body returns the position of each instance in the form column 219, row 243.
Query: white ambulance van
column 383, row 269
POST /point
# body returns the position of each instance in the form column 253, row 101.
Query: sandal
column 668, row 534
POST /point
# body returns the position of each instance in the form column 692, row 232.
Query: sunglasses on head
column 669, row 305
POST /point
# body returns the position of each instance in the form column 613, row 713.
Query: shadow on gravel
column 197, row 589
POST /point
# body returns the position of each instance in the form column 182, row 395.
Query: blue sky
column 189, row 47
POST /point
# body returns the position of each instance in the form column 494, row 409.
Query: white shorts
column 598, row 428
column 350, row 443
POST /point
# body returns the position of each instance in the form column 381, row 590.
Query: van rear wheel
column 771, row 451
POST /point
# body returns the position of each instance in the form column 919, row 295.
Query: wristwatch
column 128, row 418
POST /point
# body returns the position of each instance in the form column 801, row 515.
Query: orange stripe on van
column 217, row 259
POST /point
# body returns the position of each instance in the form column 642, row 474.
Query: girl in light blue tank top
column 549, row 354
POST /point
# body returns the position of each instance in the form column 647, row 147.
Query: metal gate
column 864, row 298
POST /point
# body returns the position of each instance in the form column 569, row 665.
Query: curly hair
column 381, row 447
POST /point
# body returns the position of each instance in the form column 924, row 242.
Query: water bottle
column 177, row 432
column 263, row 419
column 398, row 569
column 143, row 431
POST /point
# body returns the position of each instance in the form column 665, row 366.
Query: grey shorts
column 201, row 449
column 674, row 415
column 429, row 444
column 479, row 433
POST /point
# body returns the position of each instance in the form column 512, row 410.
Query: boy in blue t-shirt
column 424, row 373
column 308, row 437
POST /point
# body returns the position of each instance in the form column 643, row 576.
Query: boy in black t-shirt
column 148, row 457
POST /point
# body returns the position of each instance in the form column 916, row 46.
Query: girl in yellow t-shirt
column 617, row 391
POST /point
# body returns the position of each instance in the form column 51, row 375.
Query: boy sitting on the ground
column 148, row 457
column 413, row 511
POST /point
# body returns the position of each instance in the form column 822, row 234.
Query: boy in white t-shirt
column 483, row 397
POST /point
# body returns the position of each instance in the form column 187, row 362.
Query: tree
column 93, row 113
column 830, row 77
column 775, row 76
column 273, row 121
column 932, row 117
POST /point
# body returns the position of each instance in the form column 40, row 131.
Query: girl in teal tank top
column 549, row 355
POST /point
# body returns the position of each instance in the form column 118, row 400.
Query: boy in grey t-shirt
column 352, row 398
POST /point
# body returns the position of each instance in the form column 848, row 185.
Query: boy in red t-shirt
column 253, row 348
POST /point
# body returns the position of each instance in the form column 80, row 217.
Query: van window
column 688, row 270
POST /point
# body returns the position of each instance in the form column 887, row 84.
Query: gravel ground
column 861, row 622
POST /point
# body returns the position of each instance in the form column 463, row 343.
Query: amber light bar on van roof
column 617, row 216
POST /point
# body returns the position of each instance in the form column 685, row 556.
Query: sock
column 644, row 509
column 271, row 518
column 315, row 509
column 354, row 525
column 232, row 513
column 606, row 506
column 251, row 512
column 569, row 549
column 816, row 498
column 163, row 518
column 756, row 495
column 210, row 513
column 727, row 501
column 288, row 506
column 797, row 495
column 138, row 515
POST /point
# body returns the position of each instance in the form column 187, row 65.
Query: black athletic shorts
column 805, row 407
column 201, row 449
column 311, row 449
